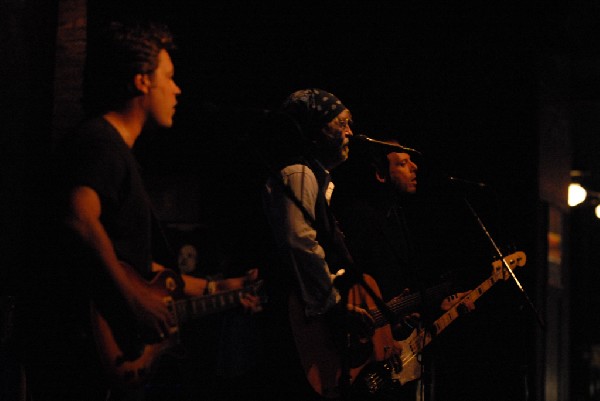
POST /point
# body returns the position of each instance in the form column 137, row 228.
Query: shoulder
column 346, row 206
column 296, row 168
column 298, row 172
column 298, row 178
column 358, row 210
column 98, row 129
column 94, row 133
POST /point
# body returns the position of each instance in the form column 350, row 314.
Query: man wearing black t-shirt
column 104, row 232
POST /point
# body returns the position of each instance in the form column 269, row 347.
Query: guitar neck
column 425, row 336
column 447, row 318
column 192, row 308
column 421, row 337
column 405, row 304
column 498, row 274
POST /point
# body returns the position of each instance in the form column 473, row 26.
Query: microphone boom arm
column 392, row 146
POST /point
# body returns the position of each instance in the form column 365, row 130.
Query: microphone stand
column 505, row 264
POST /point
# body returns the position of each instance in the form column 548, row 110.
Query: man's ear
column 142, row 83
column 379, row 177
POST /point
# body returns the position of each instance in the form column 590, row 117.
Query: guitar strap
column 328, row 232
column 292, row 196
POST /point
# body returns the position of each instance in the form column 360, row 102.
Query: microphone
column 462, row 181
column 393, row 147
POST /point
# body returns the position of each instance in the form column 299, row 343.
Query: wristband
column 211, row 287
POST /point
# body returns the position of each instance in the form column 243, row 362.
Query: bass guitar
column 404, row 304
column 320, row 351
column 384, row 376
column 129, row 352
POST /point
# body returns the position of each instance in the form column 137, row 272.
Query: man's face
column 187, row 258
column 162, row 96
column 402, row 173
column 335, row 139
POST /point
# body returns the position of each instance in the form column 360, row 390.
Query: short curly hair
column 118, row 52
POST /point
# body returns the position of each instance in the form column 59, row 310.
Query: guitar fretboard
column 424, row 337
column 191, row 308
column 403, row 304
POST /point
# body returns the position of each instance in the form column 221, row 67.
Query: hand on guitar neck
column 249, row 301
column 128, row 351
column 380, row 377
column 196, row 287
column 452, row 300
column 406, row 305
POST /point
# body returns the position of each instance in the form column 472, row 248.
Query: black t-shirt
column 69, row 272
column 96, row 156
column 378, row 238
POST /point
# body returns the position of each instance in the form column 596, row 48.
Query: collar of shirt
column 324, row 176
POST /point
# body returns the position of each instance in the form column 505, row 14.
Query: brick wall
column 70, row 58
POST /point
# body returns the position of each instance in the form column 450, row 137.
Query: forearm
column 84, row 219
column 195, row 286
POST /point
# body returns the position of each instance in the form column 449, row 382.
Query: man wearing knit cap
column 309, row 247
column 325, row 124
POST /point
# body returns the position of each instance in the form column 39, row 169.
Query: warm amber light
column 577, row 194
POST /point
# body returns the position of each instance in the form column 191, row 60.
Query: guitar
column 130, row 352
column 320, row 351
column 404, row 304
column 387, row 375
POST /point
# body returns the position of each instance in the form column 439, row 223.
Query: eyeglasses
column 345, row 123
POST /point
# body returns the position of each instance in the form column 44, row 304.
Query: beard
column 333, row 154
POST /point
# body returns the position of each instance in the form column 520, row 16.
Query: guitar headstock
column 513, row 260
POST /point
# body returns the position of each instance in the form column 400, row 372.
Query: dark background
column 458, row 83
column 462, row 82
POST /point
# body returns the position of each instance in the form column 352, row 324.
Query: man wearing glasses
column 309, row 247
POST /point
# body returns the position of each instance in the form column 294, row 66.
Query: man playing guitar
column 101, row 227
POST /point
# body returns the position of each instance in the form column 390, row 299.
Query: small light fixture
column 577, row 194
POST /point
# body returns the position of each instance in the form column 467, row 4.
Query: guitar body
column 376, row 376
column 411, row 366
column 321, row 355
column 391, row 364
column 408, row 367
column 317, row 350
column 128, row 352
